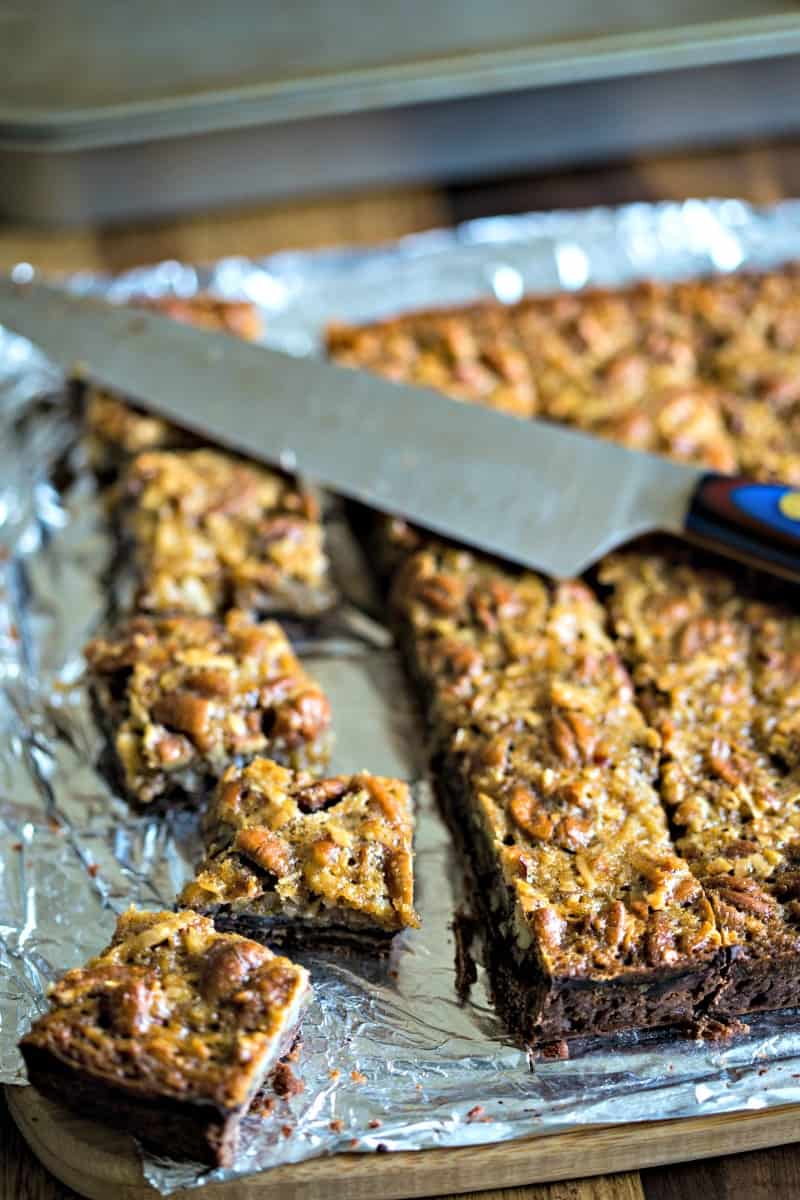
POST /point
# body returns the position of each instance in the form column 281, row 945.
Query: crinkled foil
column 428, row 1070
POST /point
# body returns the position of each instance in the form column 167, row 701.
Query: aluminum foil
column 391, row 1060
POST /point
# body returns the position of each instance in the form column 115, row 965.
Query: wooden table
column 757, row 172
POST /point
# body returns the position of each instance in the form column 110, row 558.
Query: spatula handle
column 756, row 522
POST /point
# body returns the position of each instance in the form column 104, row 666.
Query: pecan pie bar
column 719, row 675
column 549, row 770
column 182, row 698
column 210, row 532
column 293, row 858
column 169, row 1033
column 115, row 430
column 704, row 370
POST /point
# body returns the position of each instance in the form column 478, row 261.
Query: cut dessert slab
column 169, row 1033
column 181, row 698
column 210, row 532
column 294, row 858
column 719, row 675
column 593, row 920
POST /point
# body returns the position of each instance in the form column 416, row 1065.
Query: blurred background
column 122, row 113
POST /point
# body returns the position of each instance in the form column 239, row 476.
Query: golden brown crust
column 719, row 672
column 704, row 370
column 173, row 1009
column 211, row 532
column 183, row 697
column 286, row 845
column 531, row 704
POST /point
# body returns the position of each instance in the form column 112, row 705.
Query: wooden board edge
column 97, row 1162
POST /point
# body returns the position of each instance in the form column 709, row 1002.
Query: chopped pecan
column 303, row 719
column 211, row 682
column 129, row 1004
column 186, row 712
column 549, row 926
column 574, row 832
column 443, row 593
column 726, row 764
column 277, row 528
column 564, row 740
column 227, row 966
column 314, row 796
column 616, row 920
column 744, row 894
column 265, row 848
column 325, row 852
column 529, row 814
column 660, row 941
column 585, row 734
column 786, row 885
column 173, row 751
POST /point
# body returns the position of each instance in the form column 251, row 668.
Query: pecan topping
column 202, row 693
column 175, row 1010
column 266, row 849
column 743, row 894
column 186, row 712
column 315, row 796
column 343, row 843
column 549, row 927
column 444, row 593
column 303, row 719
column 227, row 967
column 529, row 814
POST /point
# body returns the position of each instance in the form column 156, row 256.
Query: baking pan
column 109, row 111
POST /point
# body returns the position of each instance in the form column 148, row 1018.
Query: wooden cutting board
column 98, row 1163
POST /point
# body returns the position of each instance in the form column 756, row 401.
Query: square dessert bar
column 169, row 1033
column 211, row 532
column 719, row 675
column 181, row 698
column 594, row 921
column 313, row 861
column 115, row 430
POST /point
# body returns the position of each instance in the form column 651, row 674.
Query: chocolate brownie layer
column 169, row 1033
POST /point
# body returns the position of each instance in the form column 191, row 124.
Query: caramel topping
column 176, row 1008
column 191, row 693
column 210, row 531
column 278, row 836
column 536, row 717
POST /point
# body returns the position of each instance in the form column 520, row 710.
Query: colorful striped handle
column 756, row 522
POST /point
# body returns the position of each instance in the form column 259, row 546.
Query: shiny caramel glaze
column 183, row 697
column 534, row 709
column 718, row 672
column 704, row 370
column 283, row 843
column 173, row 1009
